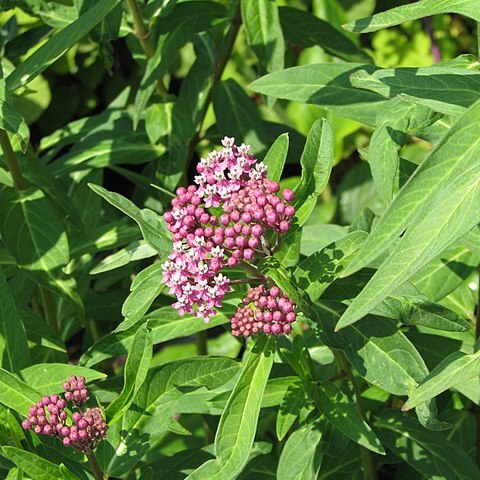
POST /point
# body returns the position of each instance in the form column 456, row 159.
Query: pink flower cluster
column 49, row 417
column 267, row 312
column 250, row 226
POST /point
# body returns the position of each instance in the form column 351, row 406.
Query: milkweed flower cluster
column 49, row 417
column 246, row 223
column 264, row 311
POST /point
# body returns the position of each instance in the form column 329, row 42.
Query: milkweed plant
column 239, row 239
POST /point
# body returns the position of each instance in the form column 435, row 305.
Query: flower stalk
column 11, row 159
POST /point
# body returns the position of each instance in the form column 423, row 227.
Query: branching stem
column 94, row 466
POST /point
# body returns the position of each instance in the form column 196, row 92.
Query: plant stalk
column 11, row 159
column 143, row 35
column 202, row 347
column 368, row 462
column 48, row 305
column 94, row 466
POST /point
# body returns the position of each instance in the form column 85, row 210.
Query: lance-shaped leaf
column 317, row 162
column 276, row 157
column 305, row 30
column 238, row 424
column 327, row 85
column 136, row 368
column 59, row 44
column 34, row 234
column 36, row 467
column 342, row 413
column 16, row 394
column 10, row 120
column 14, row 352
column 155, row 404
column 264, row 34
column 438, row 205
column 450, row 372
column 289, row 410
column 146, row 287
column 431, row 454
column 420, row 9
column 443, row 89
column 153, row 229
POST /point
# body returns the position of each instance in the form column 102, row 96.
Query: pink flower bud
column 288, row 195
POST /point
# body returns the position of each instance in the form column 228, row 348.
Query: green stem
column 11, row 159
column 202, row 347
column 94, row 466
column 48, row 305
column 143, row 35
column 368, row 462
column 477, row 336
column 478, row 39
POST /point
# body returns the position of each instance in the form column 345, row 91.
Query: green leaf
column 14, row 352
column 327, row 85
column 457, row 368
column 436, row 208
column 301, row 456
column 165, row 324
column 276, row 156
column 317, row 162
column 16, row 394
column 39, row 246
column 238, row 423
column 318, row 271
column 135, row 372
column 443, row 89
column 264, row 34
column 59, row 44
column 153, row 229
column 48, row 378
column 10, row 120
column 289, row 410
column 131, row 253
column 431, row 454
column 342, row 413
column 155, row 405
column 237, row 115
column 420, row 9
column 305, row 30
column 36, row 467
column 400, row 118
column 146, row 287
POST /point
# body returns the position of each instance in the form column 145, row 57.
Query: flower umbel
column 49, row 417
column 246, row 225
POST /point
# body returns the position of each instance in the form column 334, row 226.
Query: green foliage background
column 371, row 115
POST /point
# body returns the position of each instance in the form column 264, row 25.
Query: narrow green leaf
column 318, row 271
column 238, row 424
column 289, row 410
column 36, row 467
column 48, row 378
column 303, row 29
column 301, row 456
column 155, row 404
column 342, row 413
column 431, row 454
column 59, row 44
column 420, row 9
column 153, row 229
column 264, row 33
column 436, row 208
column 165, row 324
column 327, row 85
column 16, row 394
column 14, row 352
column 10, row 120
column 446, row 90
column 276, row 156
column 317, row 162
column 135, row 372
column 450, row 372
column 146, row 287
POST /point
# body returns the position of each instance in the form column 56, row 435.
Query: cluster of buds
column 49, row 417
column 251, row 219
column 263, row 311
